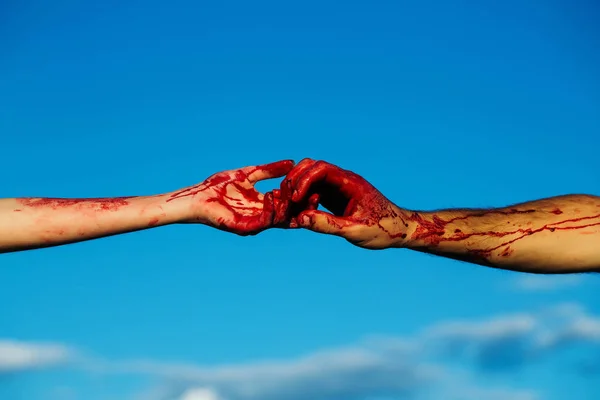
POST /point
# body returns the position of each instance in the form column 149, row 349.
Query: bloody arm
column 226, row 200
column 554, row 235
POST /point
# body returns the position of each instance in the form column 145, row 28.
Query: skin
column 551, row 236
column 554, row 235
column 226, row 200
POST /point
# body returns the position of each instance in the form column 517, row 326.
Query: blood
column 345, row 194
column 249, row 213
column 432, row 232
column 354, row 201
column 367, row 206
column 246, row 218
column 194, row 190
column 99, row 204
column 153, row 222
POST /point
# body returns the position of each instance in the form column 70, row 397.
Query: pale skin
column 554, row 235
column 226, row 200
column 551, row 236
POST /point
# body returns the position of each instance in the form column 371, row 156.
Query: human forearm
column 554, row 235
column 27, row 223
column 226, row 200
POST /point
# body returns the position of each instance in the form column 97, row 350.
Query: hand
column 228, row 200
column 359, row 212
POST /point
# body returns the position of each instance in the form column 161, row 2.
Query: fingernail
column 304, row 220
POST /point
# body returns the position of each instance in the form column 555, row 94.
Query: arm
column 226, row 200
column 555, row 235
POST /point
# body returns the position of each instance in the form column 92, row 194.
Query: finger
column 288, row 183
column 281, row 208
column 300, row 168
column 322, row 222
column 321, row 171
column 268, row 171
column 313, row 202
column 268, row 212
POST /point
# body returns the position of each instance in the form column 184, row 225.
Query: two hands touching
column 357, row 211
column 226, row 200
column 554, row 235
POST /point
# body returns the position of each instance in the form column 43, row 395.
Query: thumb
column 322, row 222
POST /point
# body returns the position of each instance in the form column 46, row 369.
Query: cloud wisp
column 388, row 367
column 20, row 356
column 355, row 372
column 427, row 365
column 547, row 283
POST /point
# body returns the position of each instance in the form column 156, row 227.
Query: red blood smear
column 432, row 232
column 366, row 206
column 153, row 222
column 507, row 252
column 254, row 218
column 100, row 204
column 348, row 196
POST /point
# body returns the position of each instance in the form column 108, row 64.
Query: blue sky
column 474, row 104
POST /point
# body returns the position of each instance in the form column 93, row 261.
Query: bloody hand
column 359, row 212
column 228, row 200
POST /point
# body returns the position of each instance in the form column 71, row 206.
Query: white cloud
column 18, row 356
column 540, row 283
column 503, row 326
column 425, row 365
column 199, row 394
column 391, row 367
column 575, row 327
column 346, row 373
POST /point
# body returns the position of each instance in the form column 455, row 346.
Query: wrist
column 184, row 209
column 163, row 209
column 403, row 225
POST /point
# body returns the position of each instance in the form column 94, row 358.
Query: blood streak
column 432, row 232
column 100, row 204
column 249, row 212
column 208, row 183
column 369, row 207
column 351, row 200
column 153, row 222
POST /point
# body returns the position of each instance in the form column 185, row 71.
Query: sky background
column 469, row 104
